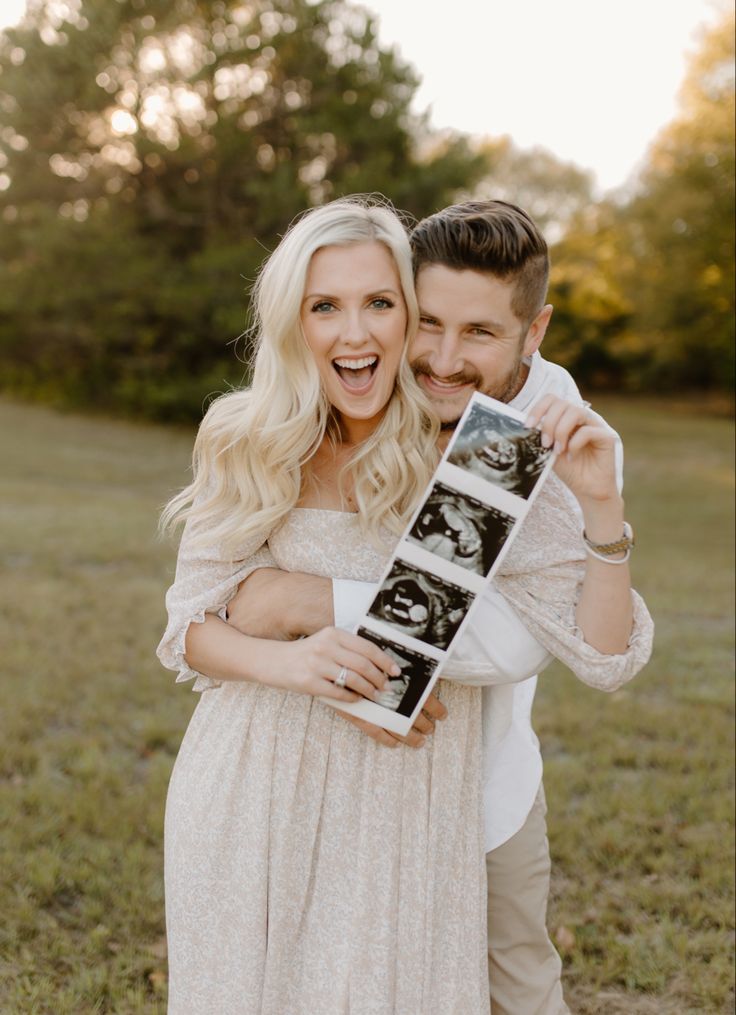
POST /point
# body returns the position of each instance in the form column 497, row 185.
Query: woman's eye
column 381, row 303
column 322, row 307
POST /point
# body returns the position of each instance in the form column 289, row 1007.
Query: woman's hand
column 585, row 448
column 312, row 665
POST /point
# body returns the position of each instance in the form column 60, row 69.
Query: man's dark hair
column 488, row 236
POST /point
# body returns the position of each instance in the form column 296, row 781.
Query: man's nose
column 446, row 358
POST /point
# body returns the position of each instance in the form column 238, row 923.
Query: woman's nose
column 355, row 329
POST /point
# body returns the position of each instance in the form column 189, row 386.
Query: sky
column 591, row 81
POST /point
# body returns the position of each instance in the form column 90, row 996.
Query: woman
column 308, row 870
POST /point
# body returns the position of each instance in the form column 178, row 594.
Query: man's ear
column 537, row 330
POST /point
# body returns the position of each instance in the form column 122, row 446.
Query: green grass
column 639, row 783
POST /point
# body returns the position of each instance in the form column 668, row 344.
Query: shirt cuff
column 350, row 601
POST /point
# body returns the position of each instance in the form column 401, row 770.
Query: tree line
column 151, row 153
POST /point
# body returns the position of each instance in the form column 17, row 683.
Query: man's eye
column 428, row 322
column 481, row 332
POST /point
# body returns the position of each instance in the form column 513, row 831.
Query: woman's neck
column 323, row 478
column 356, row 431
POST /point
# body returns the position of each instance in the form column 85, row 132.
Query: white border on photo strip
column 482, row 490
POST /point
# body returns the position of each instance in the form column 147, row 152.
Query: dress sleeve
column 542, row 576
column 205, row 582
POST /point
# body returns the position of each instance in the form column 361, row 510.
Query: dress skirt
column 312, row 871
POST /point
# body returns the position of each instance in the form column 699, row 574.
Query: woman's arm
column 203, row 585
column 198, row 643
column 587, row 466
column 306, row 666
column 582, row 609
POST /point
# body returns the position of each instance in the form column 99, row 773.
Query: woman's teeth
column 356, row 372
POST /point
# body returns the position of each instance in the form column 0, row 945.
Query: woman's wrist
column 603, row 520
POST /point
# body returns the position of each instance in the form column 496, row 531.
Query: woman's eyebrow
column 331, row 296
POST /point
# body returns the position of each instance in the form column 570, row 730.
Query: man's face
column 469, row 338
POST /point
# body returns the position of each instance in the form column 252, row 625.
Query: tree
column 680, row 229
column 644, row 288
column 167, row 145
column 590, row 333
column 552, row 191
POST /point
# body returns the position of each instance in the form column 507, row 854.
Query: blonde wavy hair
column 253, row 443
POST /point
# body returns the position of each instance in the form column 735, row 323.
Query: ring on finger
column 342, row 677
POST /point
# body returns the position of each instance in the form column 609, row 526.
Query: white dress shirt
column 496, row 651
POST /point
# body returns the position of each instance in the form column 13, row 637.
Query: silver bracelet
column 604, row 551
column 608, row 560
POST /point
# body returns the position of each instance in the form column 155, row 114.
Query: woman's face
column 354, row 319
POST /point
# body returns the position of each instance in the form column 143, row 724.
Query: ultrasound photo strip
column 492, row 470
column 461, row 529
column 421, row 605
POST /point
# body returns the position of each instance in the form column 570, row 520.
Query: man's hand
column 281, row 605
column 433, row 711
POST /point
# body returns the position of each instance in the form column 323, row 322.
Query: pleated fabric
column 311, row 871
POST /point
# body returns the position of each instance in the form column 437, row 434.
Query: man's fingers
column 377, row 733
column 414, row 739
column 434, row 708
column 423, row 724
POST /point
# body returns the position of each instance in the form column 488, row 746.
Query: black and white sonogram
column 500, row 450
column 402, row 693
column 461, row 529
column 420, row 604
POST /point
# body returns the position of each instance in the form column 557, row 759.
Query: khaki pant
column 523, row 967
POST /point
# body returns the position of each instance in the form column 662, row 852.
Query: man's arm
column 494, row 648
column 281, row 605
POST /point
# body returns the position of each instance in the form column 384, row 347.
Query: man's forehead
column 474, row 297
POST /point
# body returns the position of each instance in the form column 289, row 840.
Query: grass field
column 639, row 784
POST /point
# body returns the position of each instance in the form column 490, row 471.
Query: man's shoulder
column 556, row 380
column 545, row 378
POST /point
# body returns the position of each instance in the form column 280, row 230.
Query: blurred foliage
column 681, row 229
column 553, row 192
column 644, row 289
column 152, row 152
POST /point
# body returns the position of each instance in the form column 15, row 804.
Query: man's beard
column 503, row 391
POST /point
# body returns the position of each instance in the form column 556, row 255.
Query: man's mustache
column 421, row 366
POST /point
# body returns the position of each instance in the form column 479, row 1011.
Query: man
column 481, row 275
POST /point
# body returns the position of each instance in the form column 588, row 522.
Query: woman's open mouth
column 356, row 374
